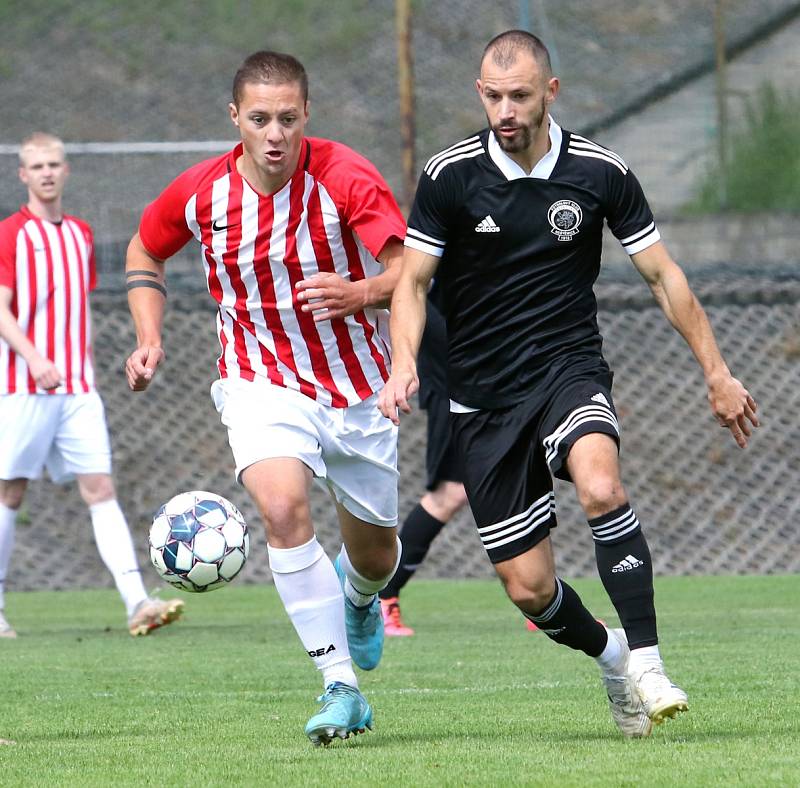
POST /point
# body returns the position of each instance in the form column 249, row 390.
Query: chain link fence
column 707, row 506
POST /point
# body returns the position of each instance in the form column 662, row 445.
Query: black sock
column 418, row 532
column 568, row 622
column 626, row 569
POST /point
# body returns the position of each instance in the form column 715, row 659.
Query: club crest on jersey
column 565, row 218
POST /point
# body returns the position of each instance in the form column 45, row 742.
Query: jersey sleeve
column 432, row 212
column 628, row 212
column 163, row 229
column 8, row 253
column 89, row 236
column 368, row 205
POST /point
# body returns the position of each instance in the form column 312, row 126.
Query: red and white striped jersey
column 50, row 268
column 335, row 214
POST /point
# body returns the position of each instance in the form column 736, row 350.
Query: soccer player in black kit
column 510, row 220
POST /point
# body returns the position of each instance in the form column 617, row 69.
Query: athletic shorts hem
column 558, row 465
column 514, row 549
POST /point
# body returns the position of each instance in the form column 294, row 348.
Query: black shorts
column 441, row 460
column 509, row 454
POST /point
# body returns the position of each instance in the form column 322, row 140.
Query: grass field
column 474, row 699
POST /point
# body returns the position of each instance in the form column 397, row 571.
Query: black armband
column 144, row 283
column 140, row 272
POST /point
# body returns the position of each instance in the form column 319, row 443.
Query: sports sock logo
column 626, row 564
column 487, row 226
column 321, row 652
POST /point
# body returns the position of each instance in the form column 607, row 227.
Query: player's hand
column 140, row 368
column 400, row 387
column 733, row 408
column 329, row 295
column 45, row 373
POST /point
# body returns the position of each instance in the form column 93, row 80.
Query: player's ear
column 479, row 87
column 234, row 111
column 23, row 175
column 553, row 86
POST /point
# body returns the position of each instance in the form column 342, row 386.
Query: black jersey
column 520, row 255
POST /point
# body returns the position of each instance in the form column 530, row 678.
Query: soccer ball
column 199, row 541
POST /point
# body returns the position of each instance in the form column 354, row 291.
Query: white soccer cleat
column 6, row 630
column 660, row 697
column 151, row 614
column 626, row 709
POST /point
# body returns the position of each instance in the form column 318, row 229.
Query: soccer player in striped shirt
column 50, row 412
column 301, row 241
column 511, row 221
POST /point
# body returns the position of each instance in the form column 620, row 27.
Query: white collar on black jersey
column 544, row 167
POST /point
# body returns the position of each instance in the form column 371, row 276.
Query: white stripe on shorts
column 578, row 417
column 519, row 525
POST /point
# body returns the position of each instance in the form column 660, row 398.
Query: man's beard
column 524, row 136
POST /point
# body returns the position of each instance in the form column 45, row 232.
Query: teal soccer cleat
column 344, row 711
column 364, row 628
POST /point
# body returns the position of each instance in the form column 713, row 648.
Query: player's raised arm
column 730, row 402
column 406, row 324
column 147, row 293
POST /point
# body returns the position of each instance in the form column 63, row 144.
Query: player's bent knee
column 531, row 595
column 380, row 566
column 375, row 563
column 287, row 520
column 601, row 495
column 96, row 488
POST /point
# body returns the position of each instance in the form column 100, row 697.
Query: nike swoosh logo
column 217, row 228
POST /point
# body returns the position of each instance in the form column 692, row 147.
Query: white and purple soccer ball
column 199, row 541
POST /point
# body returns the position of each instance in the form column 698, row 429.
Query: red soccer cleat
column 393, row 625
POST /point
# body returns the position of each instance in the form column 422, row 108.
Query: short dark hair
column 504, row 49
column 267, row 67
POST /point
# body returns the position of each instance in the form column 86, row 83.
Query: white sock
column 644, row 658
column 309, row 589
column 359, row 589
column 114, row 544
column 610, row 657
column 8, row 519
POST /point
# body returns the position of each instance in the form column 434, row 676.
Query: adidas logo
column 601, row 399
column 487, row 226
column 627, row 563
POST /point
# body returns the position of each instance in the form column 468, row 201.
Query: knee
column 285, row 516
column 12, row 492
column 601, row 494
column 530, row 594
column 445, row 501
column 382, row 563
column 96, row 489
column 378, row 562
column 456, row 497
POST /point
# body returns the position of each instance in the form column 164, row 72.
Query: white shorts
column 66, row 433
column 351, row 451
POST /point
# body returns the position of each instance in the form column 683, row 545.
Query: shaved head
column 506, row 47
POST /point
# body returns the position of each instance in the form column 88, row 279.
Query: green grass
column 763, row 172
column 473, row 699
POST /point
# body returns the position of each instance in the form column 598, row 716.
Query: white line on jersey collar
column 544, row 167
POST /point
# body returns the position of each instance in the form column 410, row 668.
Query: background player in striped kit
column 301, row 241
column 50, row 413
column 511, row 222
